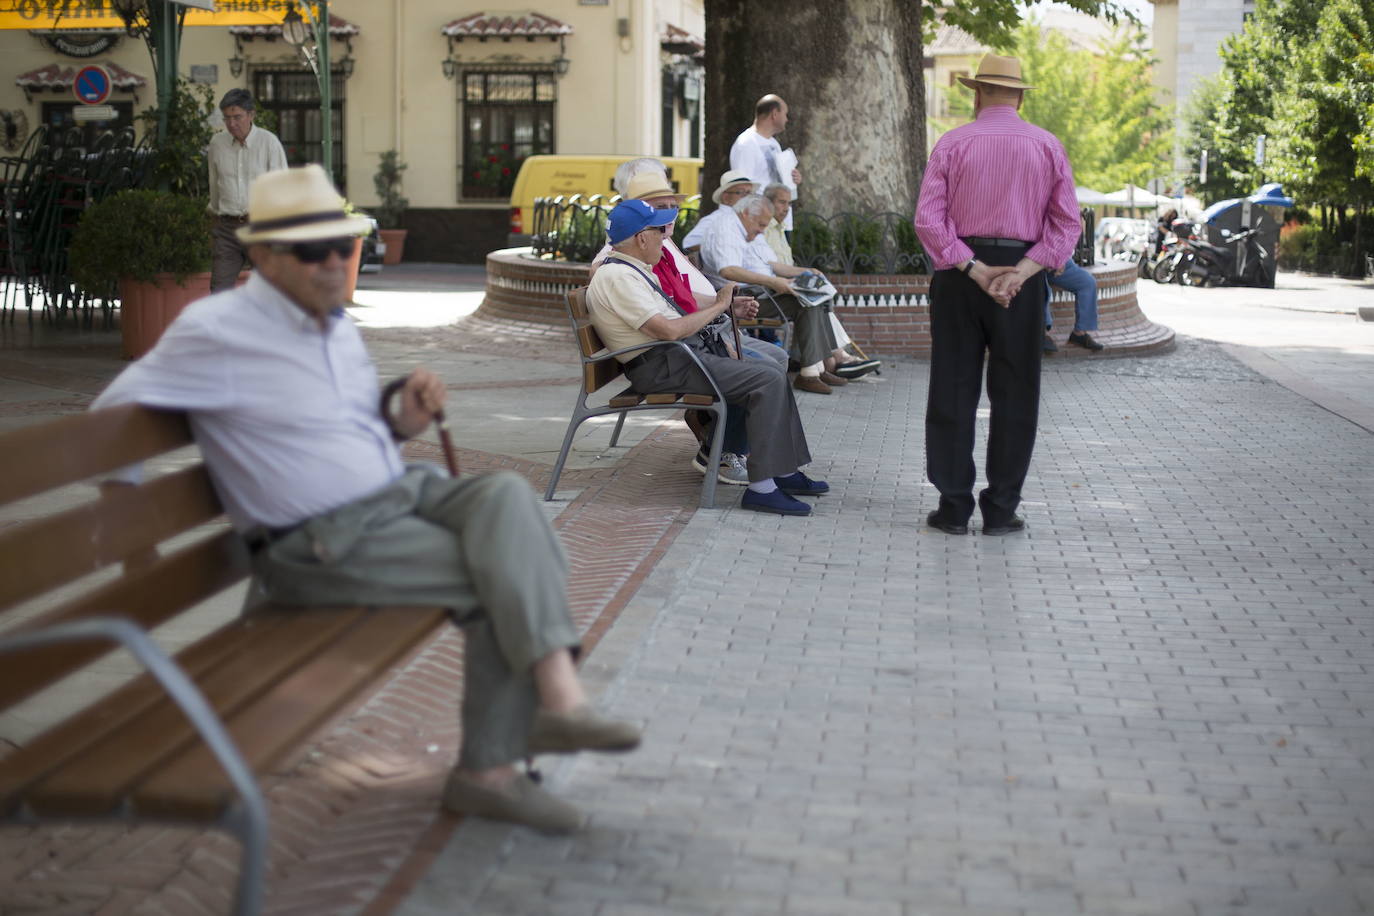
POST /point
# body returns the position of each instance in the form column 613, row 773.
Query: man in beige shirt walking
column 237, row 155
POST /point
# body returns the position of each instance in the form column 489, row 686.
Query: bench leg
column 619, row 424
column 580, row 413
column 248, row 819
column 708, row 486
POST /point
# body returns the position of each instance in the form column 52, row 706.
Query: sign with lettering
column 92, row 85
column 101, row 14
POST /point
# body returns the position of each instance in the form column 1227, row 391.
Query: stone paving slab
column 1156, row 701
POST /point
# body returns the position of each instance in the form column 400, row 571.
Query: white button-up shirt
column 234, row 165
column 285, row 413
column 727, row 245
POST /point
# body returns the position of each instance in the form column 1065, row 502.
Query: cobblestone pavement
column 1156, row 701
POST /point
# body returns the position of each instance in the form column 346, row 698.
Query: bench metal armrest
column 663, row 343
column 252, row 826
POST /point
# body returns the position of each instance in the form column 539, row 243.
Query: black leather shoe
column 939, row 524
column 1049, row 346
column 1085, row 340
column 1011, row 526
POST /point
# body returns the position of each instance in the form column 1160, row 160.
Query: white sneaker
column 732, row 468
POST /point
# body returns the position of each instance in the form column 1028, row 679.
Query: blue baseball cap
column 631, row 216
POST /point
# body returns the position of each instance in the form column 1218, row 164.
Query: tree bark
column 851, row 74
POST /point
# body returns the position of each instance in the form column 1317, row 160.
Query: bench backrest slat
column 37, row 458
column 122, row 523
column 595, row 376
column 148, row 596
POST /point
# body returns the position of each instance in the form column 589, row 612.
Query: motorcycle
column 1240, row 261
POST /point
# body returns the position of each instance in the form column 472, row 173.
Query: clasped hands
column 1003, row 283
column 744, row 307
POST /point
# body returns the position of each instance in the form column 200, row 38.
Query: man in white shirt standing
column 237, row 155
column 756, row 150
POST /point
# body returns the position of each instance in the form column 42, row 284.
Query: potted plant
column 152, row 250
column 390, row 205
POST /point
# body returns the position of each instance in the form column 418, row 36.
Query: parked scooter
column 1176, row 257
column 1240, row 260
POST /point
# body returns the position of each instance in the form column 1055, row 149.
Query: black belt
column 261, row 536
column 635, row 363
column 978, row 240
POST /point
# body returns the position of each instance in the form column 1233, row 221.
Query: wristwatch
column 968, row 268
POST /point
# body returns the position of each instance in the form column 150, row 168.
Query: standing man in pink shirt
column 997, row 209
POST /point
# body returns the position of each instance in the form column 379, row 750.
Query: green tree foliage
column 179, row 162
column 1099, row 104
column 994, row 22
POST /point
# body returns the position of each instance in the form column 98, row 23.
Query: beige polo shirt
column 234, row 165
column 620, row 300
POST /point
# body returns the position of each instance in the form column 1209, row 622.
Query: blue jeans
column 1084, row 288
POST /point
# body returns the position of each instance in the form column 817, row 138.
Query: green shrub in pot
column 140, row 234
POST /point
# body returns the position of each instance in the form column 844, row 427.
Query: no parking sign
column 92, row 85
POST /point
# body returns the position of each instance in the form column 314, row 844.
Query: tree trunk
column 851, row 74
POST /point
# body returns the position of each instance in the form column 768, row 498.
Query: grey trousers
column 815, row 338
column 479, row 546
column 228, row 256
column 777, row 443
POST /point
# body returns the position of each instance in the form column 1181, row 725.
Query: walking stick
column 734, row 326
column 440, row 423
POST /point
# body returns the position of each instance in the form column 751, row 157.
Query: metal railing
column 574, row 228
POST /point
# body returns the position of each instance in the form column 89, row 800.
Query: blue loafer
column 777, row 502
column 798, row 484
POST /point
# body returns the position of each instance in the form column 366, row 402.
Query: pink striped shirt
column 998, row 177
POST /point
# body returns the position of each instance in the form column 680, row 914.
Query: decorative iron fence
column 574, row 228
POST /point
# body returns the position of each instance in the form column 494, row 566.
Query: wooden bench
column 600, row 368
column 185, row 741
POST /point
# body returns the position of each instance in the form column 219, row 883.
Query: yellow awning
column 100, row 14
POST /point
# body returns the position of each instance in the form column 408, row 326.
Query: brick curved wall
column 886, row 315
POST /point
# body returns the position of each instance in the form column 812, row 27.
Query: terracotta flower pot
column 395, row 244
column 146, row 309
column 354, row 262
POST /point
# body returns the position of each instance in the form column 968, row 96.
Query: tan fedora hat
column 996, row 70
column 297, row 205
column 732, row 177
column 648, row 185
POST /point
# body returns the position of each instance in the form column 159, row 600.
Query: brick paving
column 1156, row 701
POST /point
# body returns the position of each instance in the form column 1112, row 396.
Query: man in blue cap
column 629, row 309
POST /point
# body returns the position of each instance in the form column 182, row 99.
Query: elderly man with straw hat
column 997, row 209
column 286, row 408
column 734, row 186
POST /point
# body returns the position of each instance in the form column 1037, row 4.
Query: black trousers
column 964, row 323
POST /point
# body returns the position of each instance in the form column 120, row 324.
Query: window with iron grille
column 294, row 96
column 507, row 116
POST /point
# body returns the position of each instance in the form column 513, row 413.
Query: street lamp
column 236, row 66
column 294, row 29
column 450, row 68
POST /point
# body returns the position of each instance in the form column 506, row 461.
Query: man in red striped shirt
column 997, row 209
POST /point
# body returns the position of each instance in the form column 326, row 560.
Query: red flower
column 476, row 173
column 492, row 158
column 505, row 171
column 505, row 147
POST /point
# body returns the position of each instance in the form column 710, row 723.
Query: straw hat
column 731, row 177
column 650, row 184
column 297, row 205
column 996, row 70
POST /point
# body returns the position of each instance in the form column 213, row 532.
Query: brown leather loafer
column 521, row 801
column 833, row 380
column 582, row 729
column 811, row 383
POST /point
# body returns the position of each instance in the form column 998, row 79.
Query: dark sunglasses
column 317, row 252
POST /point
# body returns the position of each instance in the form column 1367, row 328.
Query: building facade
column 463, row 95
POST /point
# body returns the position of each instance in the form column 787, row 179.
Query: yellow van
column 552, row 176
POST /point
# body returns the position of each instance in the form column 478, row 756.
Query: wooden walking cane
column 440, row 423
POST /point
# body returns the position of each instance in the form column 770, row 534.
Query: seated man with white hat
column 285, row 406
column 734, row 187
column 629, row 309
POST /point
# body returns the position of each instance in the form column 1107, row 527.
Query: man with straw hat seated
column 285, row 406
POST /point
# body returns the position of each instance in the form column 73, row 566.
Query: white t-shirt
column 756, row 156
